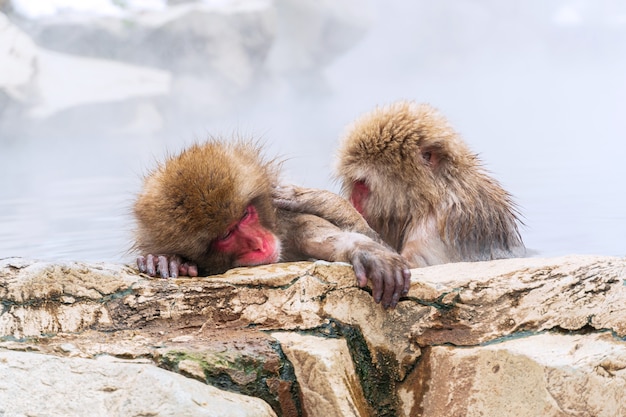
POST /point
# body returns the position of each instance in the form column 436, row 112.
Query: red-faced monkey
column 219, row 205
column 419, row 186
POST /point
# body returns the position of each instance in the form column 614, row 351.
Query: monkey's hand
column 387, row 271
column 314, row 237
column 166, row 266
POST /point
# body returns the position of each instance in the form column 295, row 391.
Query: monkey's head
column 403, row 166
column 399, row 159
column 211, row 204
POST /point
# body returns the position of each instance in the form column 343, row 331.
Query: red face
column 249, row 242
column 360, row 193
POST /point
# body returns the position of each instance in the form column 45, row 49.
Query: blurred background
column 93, row 92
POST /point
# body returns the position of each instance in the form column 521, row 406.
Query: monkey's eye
column 226, row 235
column 245, row 213
column 427, row 156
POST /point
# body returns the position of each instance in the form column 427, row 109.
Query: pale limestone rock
column 384, row 331
column 481, row 301
column 329, row 383
column 41, row 385
column 112, row 310
column 24, row 283
column 463, row 303
column 543, row 375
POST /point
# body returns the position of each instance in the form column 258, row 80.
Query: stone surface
column 552, row 327
column 478, row 302
column 326, row 375
column 540, row 375
column 41, row 385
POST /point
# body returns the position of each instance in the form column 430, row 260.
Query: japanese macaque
column 219, row 205
column 419, row 186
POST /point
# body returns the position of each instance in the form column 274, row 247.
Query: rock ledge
column 519, row 337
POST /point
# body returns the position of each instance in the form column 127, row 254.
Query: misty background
column 536, row 88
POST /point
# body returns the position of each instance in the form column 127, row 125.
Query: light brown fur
column 193, row 197
column 197, row 198
column 430, row 198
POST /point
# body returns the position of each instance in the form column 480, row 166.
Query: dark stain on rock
column 375, row 372
column 418, row 380
column 245, row 362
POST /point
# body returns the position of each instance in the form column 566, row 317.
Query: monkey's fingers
column 163, row 266
column 365, row 269
column 174, row 266
column 141, row 264
column 359, row 271
column 188, row 269
column 180, row 268
column 401, row 285
column 406, row 275
column 369, row 270
column 378, row 286
column 396, row 281
column 192, row 269
column 392, row 285
column 150, row 265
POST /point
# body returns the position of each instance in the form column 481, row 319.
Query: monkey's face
column 390, row 182
column 247, row 242
column 398, row 158
column 393, row 165
column 359, row 196
column 210, row 205
column 228, row 209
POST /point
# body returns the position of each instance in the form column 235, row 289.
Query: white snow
column 36, row 9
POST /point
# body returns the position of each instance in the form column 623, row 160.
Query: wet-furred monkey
column 420, row 187
column 219, row 204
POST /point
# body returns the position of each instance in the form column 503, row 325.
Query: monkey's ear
column 432, row 156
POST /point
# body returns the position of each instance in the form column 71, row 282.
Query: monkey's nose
column 255, row 244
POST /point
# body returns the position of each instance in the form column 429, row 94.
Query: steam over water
column 537, row 88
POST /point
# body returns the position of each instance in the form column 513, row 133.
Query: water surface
column 539, row 94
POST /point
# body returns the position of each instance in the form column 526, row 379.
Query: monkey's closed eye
column 226, row 235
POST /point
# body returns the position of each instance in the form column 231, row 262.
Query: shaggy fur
column 429, row 197
column 201, row 195
column 192, row 197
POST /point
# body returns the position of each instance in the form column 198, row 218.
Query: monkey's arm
column 307, row 236
column 325, row 204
